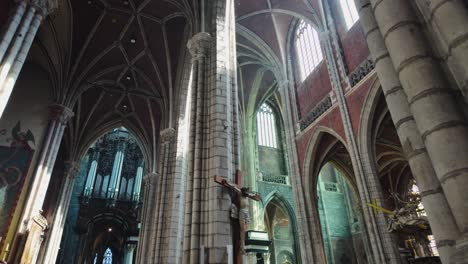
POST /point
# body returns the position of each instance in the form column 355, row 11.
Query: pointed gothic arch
column 285, row 242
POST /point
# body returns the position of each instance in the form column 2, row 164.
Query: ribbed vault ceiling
column 115, row 62
column 264, row 28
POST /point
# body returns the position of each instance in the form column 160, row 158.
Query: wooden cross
column 240, row 192
column 378, row 208
column 236, row 186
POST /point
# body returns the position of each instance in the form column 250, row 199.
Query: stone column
column 52, row 243
column 33, row 210
column 450, row 20
column 147, row 231
column 303, row 229
column 9, row 30
column 165, row 246
column 214, row 140
column 128, row 253
column 14, row 59
column 444, row 228
column 442, row 126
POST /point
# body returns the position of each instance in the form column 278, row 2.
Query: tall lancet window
column 107, row 257
column 350, row 12
column 266, row 127
column 308, row 51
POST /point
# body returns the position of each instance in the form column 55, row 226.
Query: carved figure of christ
column 243, row 194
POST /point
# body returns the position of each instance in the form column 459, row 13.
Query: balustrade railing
column 272, row 178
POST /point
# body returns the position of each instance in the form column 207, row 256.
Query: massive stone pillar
column 54, row 236
column 35, row 223
column 14, row 49
column 442, row 126
column 449, row 20
column 162, row 230
column 214, row 140
column 444, row 228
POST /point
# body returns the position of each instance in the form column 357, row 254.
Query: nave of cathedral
column 233, row 131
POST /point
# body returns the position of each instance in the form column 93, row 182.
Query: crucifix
column 241, row 205
column 379, row 208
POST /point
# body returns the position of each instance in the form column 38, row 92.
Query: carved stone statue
column 407, row 218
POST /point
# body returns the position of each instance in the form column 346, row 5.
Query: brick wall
column 352, row 41
column 315, row 88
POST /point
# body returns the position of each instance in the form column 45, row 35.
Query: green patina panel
column 271, row 161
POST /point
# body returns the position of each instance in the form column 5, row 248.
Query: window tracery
column 308, row 51
column 107, row 257
column 266, row 127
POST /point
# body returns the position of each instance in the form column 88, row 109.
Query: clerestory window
column 266, row 127
column 350, row 12
column 308, row 50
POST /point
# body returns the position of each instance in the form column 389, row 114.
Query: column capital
column 72, row 169
column 45, row 7
column 198, row 45
column 150, row 177
column 61, row 113
column 284, row 84
column 167, row 135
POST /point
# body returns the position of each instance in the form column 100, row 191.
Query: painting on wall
column 15, row 160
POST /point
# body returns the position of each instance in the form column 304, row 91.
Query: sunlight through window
column 308, row 51
column 350, row 12
column 266, row 127
column 107, row 257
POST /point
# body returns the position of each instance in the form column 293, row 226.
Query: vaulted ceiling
column 264, row 29
column 115, row 62
column 392, row 164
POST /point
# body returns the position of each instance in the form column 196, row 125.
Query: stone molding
column 61, row 113
column 167, row 135
column 362, row 71
column 198, row 45
column 316, row 112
